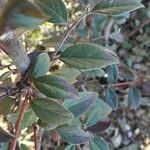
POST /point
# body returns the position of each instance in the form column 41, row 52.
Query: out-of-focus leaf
column 5, row 136
column 116, row 7
column 73, row 135
column 51, row 42
column 134, row 97
column 4, row 145
column 7, row 105
column 126, row 73
column 68, row 73
column 97, row 112
column 78, row 107
column 51, row 112
column 93, row 73
column 28, row 119
column 99, row 127
column 54, row 9
column 26, row 145
column 39, row 66
column 99, row 143
column 111, row 98
column 117, row 36
column 54, row 41
column 70, row 147
column 113, row 73
column 87, row 56
column 146, row 87
column 22, row 14
column 55, row 87
column 6, row 75
column 133, row 146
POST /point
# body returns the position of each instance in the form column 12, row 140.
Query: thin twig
column 127, row 83
column 146, row 22
column 36, row 136
column 21, row 113
column 68, row 31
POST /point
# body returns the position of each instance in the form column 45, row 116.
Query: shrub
column 57, row 99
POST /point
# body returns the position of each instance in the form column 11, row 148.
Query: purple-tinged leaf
column 78, row 107
column 74, row 135
column 99, row 127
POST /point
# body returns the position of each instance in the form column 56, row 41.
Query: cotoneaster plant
column 52, row 100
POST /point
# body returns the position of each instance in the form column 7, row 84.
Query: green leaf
column 111, row 98
column 98, row 143
column 5, row 136
column 78, row 107
column 93, row 73
column 51, row 42
column 55, row 87
column 70, row 147
column 116, row 7
column 24, row 14
column 28, row 119
column 39, row 66
column 51, row 112
column 76, row 122
column 73, row 135
column 97, row 112
column 68, row 73
column 7, row 105
column 87, row 56
column 54, row 9
column 43, row 125
column 134, row 97
column 54, row 41
column 113, row 73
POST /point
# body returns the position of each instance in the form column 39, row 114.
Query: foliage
column 55, row 85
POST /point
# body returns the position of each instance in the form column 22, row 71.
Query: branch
column 126, row 84
column 69, row 30
column 146, row 22
column 36, row 136
column 21, row 113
